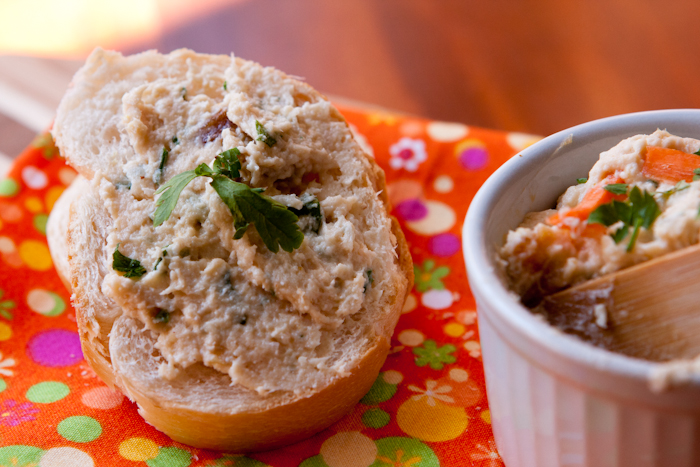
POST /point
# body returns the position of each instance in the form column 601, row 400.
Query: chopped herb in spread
column 225, row 85
column 581, row 180
column 163, row 255
column 616, row 188
column 161, row 317
column 157, row 177
column 183, row 93
column 263, row 135
column 175, row 140
column 130, row 267
column 640, row 210
column 369, row 280
column 680, row 186
column 311, row 208
column 274, row 222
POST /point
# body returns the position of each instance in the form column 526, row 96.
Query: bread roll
column 222, row 341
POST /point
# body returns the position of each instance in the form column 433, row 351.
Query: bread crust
column 248, row 421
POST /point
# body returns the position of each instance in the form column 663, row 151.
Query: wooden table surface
column 536, row 66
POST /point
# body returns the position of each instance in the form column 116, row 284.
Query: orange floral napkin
column 426, row 408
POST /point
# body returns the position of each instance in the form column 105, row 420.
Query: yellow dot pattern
column 35, row 255
column 52, row 196
column 454, row 329
column 5, row 332
column 33, row 204
column 138, row 449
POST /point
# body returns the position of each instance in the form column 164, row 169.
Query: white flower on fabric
column 5, row 364
column 432, row 392
column 487, row 453
column 407, row 154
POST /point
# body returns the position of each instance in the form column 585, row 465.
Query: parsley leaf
column 616, row 188
column 170, row 193
column 581, row 180
column 130, row 267
column 263, row 135
column 275, row 223
column 640, row 210
column 312, row 208
column 227, row 163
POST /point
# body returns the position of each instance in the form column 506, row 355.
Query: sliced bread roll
column 248, row 304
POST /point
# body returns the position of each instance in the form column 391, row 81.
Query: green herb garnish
column 697, row 153
column 228, row 164
column 640, row 210
column 263, row 135
column 171, row 192
column 163, row 158
column 158, row 175
column 126, row 184
column 696, row 174
column 369, row 280
column 130, row 267
column 225, row 85
column 680, row 186
column 274, row 222
column 183, row 92
column 581, row 180
column 175, row 140
column 312, row 208
column 162, row 317
column 616, row 188
column 163, row 255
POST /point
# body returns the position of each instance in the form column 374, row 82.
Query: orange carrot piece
column 595, row 197
column 670, row 165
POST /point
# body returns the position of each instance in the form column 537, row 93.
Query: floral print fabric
column 426, row 408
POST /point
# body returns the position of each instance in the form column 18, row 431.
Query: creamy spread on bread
column 272, row 321
column 561, row 247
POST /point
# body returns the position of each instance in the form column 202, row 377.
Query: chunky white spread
column 272, row 321
column 541, row 258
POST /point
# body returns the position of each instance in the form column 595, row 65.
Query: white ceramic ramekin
column 555, row 400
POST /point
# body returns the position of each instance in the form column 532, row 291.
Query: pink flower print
column 433, row 392
column 488, row 455
column 13, row 413
column 407, row 154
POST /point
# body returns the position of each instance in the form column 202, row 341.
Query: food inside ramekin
column 640, row 200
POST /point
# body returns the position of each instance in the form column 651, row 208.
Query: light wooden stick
column 652, row 309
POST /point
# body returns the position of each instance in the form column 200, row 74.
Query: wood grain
column 536, row 66
column 650, row 309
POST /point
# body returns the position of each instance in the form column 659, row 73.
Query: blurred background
column 534, row 66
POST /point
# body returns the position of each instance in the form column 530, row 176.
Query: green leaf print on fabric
column 428, row 277
column 436, row 357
